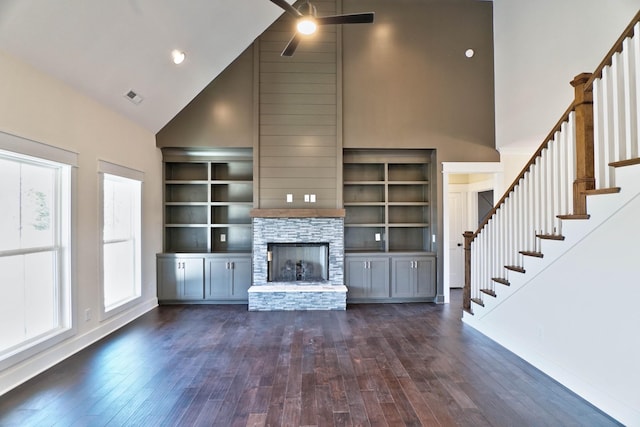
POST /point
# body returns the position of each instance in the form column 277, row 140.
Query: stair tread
column 533, row 254
column 628, row 162
column 573, row 216
column 597, row 191
column 515, row 268
column 488, row 292
column 478, row 301
column 550, row 236
column 501, row 281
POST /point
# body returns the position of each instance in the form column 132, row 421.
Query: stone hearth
column 298, row 226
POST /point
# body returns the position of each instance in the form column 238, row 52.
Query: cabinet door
column 192, row 279
column 379, row 278
column 241, row 280
column 425, row 278
column 218, row 282
column 168, row 278
column 180, row 278
column 355, row 269
column 403, row 283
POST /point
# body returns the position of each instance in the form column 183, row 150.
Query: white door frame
column 448, row 168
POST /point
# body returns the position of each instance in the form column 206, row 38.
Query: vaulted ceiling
column 107, row 48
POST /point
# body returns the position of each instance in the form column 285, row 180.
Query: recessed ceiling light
column 469, row 53
column 177, row 56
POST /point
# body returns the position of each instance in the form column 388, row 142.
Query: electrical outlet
column 289, row 198
column 313, row 198
column 87, row 315
column 306, row 198
column 223, row 237
column 378, row 237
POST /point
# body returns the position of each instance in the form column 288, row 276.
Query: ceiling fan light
column 306, row 26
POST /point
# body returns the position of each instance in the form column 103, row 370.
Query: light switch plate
column 289, row 198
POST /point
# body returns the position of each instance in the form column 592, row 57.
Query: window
column 35, row 246
column 121, row 225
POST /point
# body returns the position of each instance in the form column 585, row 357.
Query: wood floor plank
column 371, row 365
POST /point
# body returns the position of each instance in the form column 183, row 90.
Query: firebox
column 298, row 262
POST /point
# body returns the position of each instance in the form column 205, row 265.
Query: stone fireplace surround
column 298, row 226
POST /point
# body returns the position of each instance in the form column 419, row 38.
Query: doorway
column 464, row 185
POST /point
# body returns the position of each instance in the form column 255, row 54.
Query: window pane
column 121, row 248
column 35, row 198
column 28, row 305
column 119, row 273
column 40, row 293
column 12, row 303
column 10, row 202
column 38, row 191
column 118, row 205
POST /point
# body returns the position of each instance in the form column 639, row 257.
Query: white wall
column 37, row 107
column 577, row 319
column 539, row 47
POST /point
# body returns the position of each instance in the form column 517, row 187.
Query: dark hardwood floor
column 378, row 365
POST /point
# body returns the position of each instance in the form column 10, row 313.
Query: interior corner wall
column 37, row 107
column 540, row 46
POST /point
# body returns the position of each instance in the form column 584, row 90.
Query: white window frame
column 108, row 168
column 26, row 150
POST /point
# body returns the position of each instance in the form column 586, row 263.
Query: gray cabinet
column 389, row 278
column 227, row 278
column 413, row 277
column 180, row 279
column 367, row 277
column 204, row 278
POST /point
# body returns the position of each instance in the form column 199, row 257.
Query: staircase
column 553, row 274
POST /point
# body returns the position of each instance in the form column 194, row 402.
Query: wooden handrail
column 584, row 180
column 617, row 47
column 525, row 169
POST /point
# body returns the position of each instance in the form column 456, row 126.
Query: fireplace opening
column 298, row 262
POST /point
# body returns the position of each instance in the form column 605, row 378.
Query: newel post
column 466, row 293
column 585, row 175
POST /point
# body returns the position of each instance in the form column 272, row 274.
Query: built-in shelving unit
column 387, row 198
column 208, row 194
column 207, row 199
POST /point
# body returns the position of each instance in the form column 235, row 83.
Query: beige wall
column 37, row 107
column 221, row 115
column 403, row 82
column 407, row 82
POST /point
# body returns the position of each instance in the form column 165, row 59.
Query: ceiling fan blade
column 291, row 46
column 353, row 18
column 287, row 7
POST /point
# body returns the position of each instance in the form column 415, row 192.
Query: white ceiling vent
column 133, row 97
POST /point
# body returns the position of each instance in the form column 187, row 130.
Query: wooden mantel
column 297, row 213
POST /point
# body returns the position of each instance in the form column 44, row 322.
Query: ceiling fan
column 307, row 21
